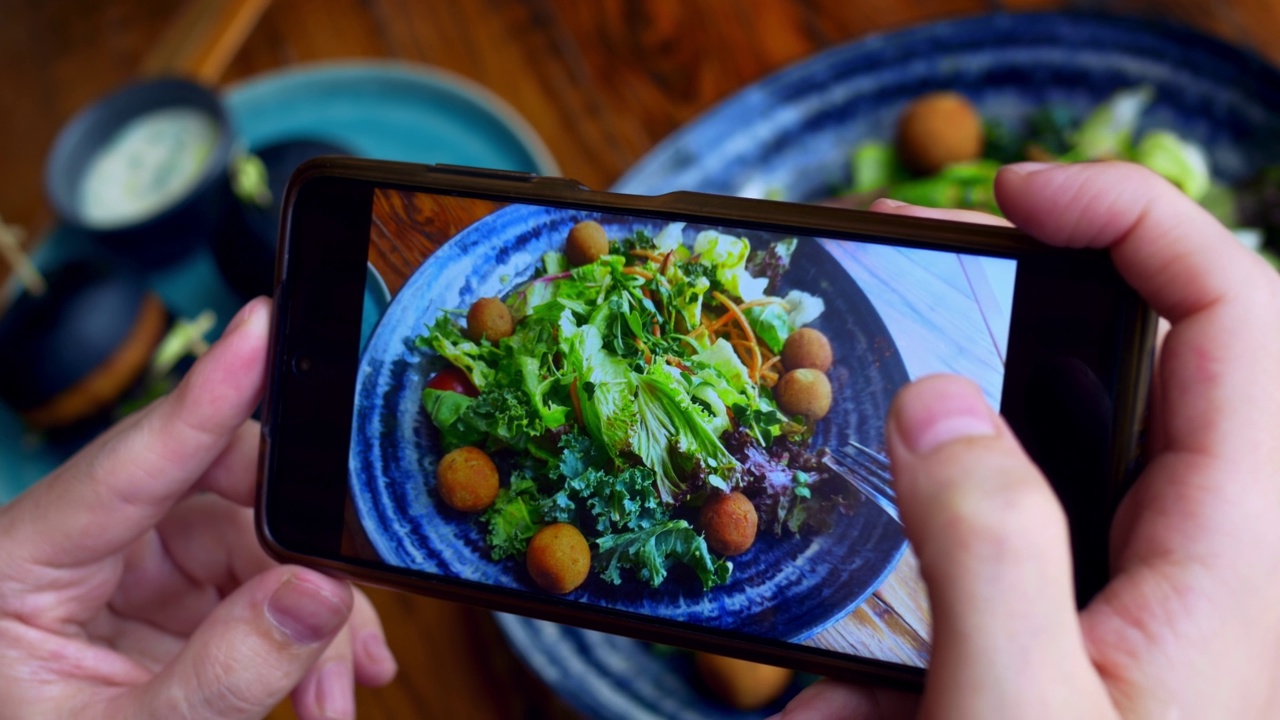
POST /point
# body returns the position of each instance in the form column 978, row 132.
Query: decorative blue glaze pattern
column 787, row 588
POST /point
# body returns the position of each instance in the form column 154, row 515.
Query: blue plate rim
column 638, row 178
column 436, row 77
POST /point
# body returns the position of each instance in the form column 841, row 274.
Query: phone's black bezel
column 314, row 353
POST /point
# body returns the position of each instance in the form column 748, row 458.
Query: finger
column 897, row 207
column 359, row 654
column 234, row 473
column 250, row 653
column 375, row 664
column 994, row 552
column 830, row 700
column 1177, row 255
column 201, row 551
column 116, row 489
column 328, row 690
column 1221, row 298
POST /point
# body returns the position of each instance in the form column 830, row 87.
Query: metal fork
column 868, row 471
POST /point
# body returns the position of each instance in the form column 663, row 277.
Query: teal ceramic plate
column 392, row 111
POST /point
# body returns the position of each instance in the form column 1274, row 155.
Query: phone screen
column 654, row 417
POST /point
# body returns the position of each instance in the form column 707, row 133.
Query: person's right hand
column 1189, row 624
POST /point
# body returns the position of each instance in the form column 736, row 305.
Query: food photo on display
column 651, row 416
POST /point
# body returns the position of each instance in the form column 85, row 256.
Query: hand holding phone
column 1185, row 625
column 636, row 413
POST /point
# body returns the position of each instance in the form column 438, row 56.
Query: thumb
column 251, row 651
column 995, row 554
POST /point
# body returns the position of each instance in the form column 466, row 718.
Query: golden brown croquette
column 804, row 392
column 938, row 129
column 489, row 319
column 587, row 243
column 467, row 479
column 729, row 522
column 807, row 348
column 741, row 684
column 558, row 558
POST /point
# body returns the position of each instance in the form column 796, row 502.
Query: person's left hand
column 132, row 584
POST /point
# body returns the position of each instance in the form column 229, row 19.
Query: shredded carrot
column 771, row 362
column 648, row 356
column 641, row 272
column 676, row 363
column 758, row 303
column 577, row 404
column 647, row 254
column 666, row 262
column 721, row 321
column 656, row 332
column 753, row 369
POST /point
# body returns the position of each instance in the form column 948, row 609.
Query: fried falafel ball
column 807, row 348
column 938, row 129
column 467, row 479
column 804, row 392
column 587, row 243
column 558, row 558
column 729, row 522
column 741, row 684
column 489, row 319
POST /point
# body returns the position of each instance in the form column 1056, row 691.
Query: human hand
column 132, row 584
column 1189, row 624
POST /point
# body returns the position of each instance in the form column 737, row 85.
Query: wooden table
column 602, row 82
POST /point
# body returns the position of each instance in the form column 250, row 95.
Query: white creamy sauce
column 149, row 165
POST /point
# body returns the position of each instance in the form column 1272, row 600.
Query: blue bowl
column 175, row 229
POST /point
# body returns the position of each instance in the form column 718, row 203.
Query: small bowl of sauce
column 144, row 170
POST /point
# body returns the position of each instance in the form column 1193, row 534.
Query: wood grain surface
column 602, row 82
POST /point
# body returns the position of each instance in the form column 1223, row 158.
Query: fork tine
column 869, row 486
column 870, row 462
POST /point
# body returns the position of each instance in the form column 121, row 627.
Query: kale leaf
column 652, row 552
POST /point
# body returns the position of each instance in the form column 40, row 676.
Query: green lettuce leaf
column 476, row 360
column 450, row 412
column 771, row 324
column 1181, row 162
column 610, row 414
column 673, row 433
column 1107, row 133
column 728, row 255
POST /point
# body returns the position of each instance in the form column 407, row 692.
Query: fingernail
column 940, row 411
column 889, row 203
column 1027, row 168
column 306, row 614
column 335, row 692
column 242, row 317
column 376, row 651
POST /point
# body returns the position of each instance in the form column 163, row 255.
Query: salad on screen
column 644, row 405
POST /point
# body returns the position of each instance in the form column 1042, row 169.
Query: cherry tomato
column 452, row 379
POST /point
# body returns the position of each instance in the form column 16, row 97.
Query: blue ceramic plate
column 617, row 678
column 787, row 588
column 792, row 133
column 395, row 111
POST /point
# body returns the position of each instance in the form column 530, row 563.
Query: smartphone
column 661, row 416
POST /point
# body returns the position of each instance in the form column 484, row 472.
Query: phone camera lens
column 301, row 364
